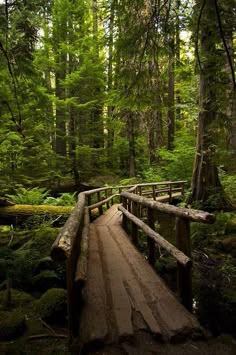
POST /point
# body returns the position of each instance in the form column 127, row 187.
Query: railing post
column 124, row 220
column 129, row 206
column 134, row 233
column 106, row 194
column 112, row 201
column 170, row 193
column 184, row 273
column 100, row 207
column 88, row 204
column 154, row 192
column 150, row 241
column 140, row 207
column 120, row 190
column 182, row 191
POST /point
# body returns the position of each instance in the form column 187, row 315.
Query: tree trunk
column 231, row 103
column 155, row 134
column 205, row 180
column 171, row 95
column 131, row 138
column 177, row 57
column 96, row 115
column 110, row 109
column 59, row 37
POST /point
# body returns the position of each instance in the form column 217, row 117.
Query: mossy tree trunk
column 205, row 179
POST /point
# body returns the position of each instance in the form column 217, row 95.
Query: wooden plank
column 93, row 323
column 174, row 319
column 107, row 216
column 166, row 198
column 116, row 218
column 127, row 282
column 121, row 304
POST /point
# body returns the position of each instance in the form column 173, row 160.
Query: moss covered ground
column 36, row 297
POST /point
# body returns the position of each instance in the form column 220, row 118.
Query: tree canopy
column 124, row 89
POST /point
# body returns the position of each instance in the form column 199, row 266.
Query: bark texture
column 205, row 180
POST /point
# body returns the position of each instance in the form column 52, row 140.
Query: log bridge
column 114, row 293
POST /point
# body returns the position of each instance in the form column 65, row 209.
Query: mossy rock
column 12, row 324
column 52, row 306
column 18, row 298
column 231, row 226
column 45, row 280
column 3, row 270
column 19, row 239
column 41, row 241
column 45, row 263
column 228, row 245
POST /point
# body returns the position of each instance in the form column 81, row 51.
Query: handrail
column 191, row 214
column 62, row 245
column 132, row 208
column 178, row 255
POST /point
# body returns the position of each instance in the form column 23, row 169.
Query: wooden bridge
column 114, row 294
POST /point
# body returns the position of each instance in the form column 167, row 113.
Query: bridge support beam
column 150, row 241
column 134, row 233
column 184, row 272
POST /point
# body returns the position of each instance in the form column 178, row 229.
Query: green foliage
column 229, row 183
column 18, row 298
column 129, row 181
column 151, row 175
column 203, row 235
column 52, row 305
column 178, row 164
column 12, row 324
column 65, row 199
column 45, row 280
column 29, row 196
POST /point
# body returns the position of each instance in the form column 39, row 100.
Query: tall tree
column 205, row 180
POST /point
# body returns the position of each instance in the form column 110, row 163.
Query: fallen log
column 18, row 213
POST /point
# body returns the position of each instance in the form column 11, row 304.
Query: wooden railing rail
column 191, row 214
column 177, row 254
column 131, row 209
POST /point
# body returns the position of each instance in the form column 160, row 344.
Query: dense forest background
column 103, row 90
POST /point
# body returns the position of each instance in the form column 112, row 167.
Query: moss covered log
column 18, row 213
column 29, row 210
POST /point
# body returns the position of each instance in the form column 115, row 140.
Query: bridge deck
column 123, row 295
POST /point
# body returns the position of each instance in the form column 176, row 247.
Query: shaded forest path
column 124, row 295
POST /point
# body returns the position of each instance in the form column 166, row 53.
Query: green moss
column 18, row 298
column 52, row 305
column 41, row 241
column 45, row 280
column 12, row 324
column 23, row 264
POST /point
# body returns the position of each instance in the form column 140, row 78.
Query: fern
column 65, row 199
column 30, row 196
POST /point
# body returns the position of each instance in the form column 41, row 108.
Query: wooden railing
column 71, row 244
column 131, row 210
